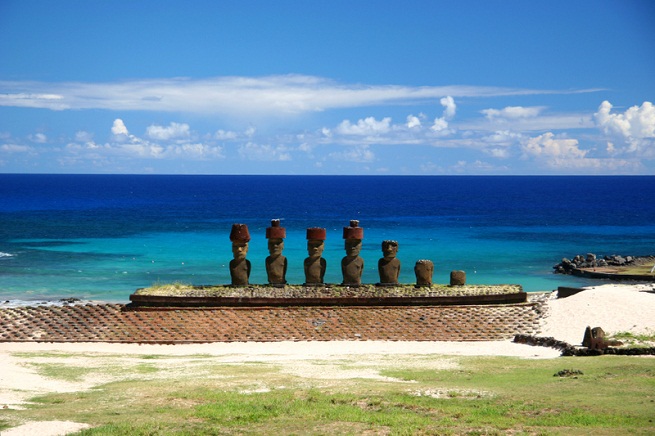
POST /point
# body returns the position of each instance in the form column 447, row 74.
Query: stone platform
column 123, row 324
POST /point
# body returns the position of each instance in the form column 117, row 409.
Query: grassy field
column 413, row 394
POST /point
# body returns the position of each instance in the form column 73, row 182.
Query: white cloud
column 195, row 151
column 118, row 128
column 224, row 135
column 83, row 136
column 264, row 152
column 365, row 127
column 14, row 148
column 512, row 112
column 142, row 149
column 38, row 138
column 440, row 124
column 272, row 95
column 449, row 107
column 359, row 153
column 172, row 131
column 547, row 146
column 503, row 137
column 500, row 153
column 413, row 122
column 635, row 127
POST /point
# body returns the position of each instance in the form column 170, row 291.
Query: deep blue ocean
column 101, row 237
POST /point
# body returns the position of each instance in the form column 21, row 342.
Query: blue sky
column 338, row 87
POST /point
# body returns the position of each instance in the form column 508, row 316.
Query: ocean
column 101, row 237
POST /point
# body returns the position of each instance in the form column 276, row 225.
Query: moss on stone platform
column 323, row 291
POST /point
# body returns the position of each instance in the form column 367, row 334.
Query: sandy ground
column 615, row 308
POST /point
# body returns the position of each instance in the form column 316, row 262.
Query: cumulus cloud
column 635, row 127
column 170, row 142
column 172, row 131
column 365, row 127
column 449, row 107
column 118, row 128
column 441, row 123
column 547, row 146
column 272, row 95
column 564, row 154
column 413, row 122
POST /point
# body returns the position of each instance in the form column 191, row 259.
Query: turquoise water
column 102, row 237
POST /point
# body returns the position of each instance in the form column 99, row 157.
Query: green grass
column 482, row 395
column 635, row 339
column 636, row 270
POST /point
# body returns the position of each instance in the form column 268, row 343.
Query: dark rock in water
column 567, row 266
column 70, row 300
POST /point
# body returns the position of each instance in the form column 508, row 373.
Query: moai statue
column 457, row 278
column 352, row 266
column 315, row 265
column 423, row 270
column 276, row 263
column 240, row 266
column 389, row 265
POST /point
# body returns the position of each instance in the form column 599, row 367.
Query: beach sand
column 615, row 308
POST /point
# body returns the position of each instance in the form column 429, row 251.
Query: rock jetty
column 590, row 260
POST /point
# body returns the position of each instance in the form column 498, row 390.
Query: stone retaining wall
column 117, row 323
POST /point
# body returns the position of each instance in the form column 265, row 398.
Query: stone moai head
column 275, row 235
column 240, row 236
column 389, row 249
column 389, row 265
column 315, row 241
column 457, row 278
column 353, row 236
column 423, row 270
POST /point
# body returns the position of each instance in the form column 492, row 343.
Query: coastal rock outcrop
column 590, row 260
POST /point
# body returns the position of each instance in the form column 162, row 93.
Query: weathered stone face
column 389, row 249
column 275, row 246
column 353, row 247
column 239, row 250
column 389, row 265
column 315, row 248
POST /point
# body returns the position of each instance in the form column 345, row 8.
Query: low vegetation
column 161, row 395
column 630, row 339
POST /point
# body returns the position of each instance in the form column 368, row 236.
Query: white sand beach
column 614, row 307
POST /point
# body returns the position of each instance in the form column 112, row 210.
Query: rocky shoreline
column 590, row 260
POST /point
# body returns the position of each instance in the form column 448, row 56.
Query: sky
column 340, row 87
